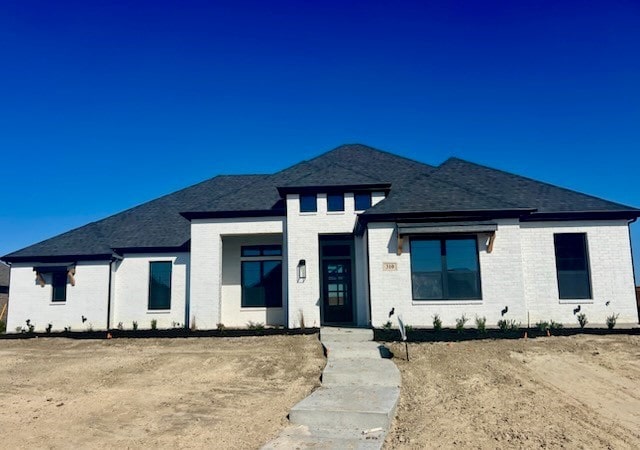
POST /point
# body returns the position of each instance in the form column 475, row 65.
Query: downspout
column 633, row 269
column 368, row 276
column 109, row 295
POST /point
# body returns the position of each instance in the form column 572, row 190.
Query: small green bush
column 220, row 326
column 134, row 324
column 481, row 324
column 120, row 326
column 154, row 324
column 255, row 325
column 582, row 320
column 387, row 326
column 460, row 323
column 555, row 325
column 437, row 323
column 543, row 326
column 49, row 327
column 506, row 325
column 611, row 321
column 3, row 326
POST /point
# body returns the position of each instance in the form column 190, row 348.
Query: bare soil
column 132, row 393
column 556, row 392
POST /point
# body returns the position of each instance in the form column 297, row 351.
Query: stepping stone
column 361, row 372
column 300, row 437
column 346, row 334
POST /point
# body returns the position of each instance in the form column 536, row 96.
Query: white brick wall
column 206, row 261
column 303, row 230
column 500, row 273
column 612, row 280
column 29, row 300
column 232, row 313
column 131, row 296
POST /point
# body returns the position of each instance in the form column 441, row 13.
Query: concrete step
column 347, row 407
column 350, row 350
column 361, row 372
column 301, row 437
column 346, row 334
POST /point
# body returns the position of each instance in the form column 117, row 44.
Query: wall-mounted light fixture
column 302, row 269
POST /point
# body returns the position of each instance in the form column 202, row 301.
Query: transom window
column 335, row 202
column 308, row 203
column 362, row 200
column 445, row 268
column 160, row 285
column 572, row 265
column 261, row 276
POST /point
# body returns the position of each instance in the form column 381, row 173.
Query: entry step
column 339, row 334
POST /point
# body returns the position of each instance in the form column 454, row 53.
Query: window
column 59, row 286
column 160, row 285
column 308, row 203
column 262, row 284
column 445, row 269
column 262, row 250
column 335, row 202
column 572, row 265
column 363, row 201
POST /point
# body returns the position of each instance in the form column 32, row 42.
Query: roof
column 4, row 275
column 416, row 188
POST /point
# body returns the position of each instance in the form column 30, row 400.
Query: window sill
column 308, row 213
column 57, row 303
column 158, row 311
column 572, row 301
column 445, row 302
column 336, row 213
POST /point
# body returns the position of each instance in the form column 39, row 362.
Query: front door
column 336, row 291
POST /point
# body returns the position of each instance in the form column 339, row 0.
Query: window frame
column 315, row 203
column 362, row 194
column 341, row 203
column 262, row 259
column 151, row 263
column 587, row 262
column 442, row 239
column 63, row 286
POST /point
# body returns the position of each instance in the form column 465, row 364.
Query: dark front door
column 336, row 291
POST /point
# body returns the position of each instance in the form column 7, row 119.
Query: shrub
column 220, row 326
column 3, row 326
column 555, row 325
column 437, row 323
column 255, row 325
column 481, row 324
column 135, row 325
column 408, row 328
column 120, row 326
column 611, row 321
column 154, row 324
column 387, row 326
column 460, row 323
column 543, row 326
column 508, row 325
column 30, row 327
column 582, row 319
column 49, row 327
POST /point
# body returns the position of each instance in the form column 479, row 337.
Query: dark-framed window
column 572, row 265
column 59, row 287
column 335, row 202
column 445, row 268
column 308, row 203
column 362, row 200
column 262, row 283
column 160, row 284
column 261, row 250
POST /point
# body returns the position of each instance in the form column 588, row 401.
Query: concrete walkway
column 356, row 403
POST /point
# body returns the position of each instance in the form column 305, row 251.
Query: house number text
column 389, row 266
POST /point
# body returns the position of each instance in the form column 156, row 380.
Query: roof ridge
column 374, row 149
column 514, row 175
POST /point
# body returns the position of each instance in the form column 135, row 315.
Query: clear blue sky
column 104, row 105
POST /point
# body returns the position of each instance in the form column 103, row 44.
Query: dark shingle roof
column 456, row 185
column 4, row 275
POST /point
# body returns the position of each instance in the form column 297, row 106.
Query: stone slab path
column 356, row 403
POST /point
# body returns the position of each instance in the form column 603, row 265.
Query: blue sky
column 104, row 105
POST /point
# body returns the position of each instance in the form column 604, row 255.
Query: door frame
column 337, row 239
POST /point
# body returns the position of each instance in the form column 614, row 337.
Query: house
column 344, row 238
column 4, row 290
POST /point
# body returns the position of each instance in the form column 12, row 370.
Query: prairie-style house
column 344, row 238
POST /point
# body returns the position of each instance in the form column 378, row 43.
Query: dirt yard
column 198, row 392
column 557, row 392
